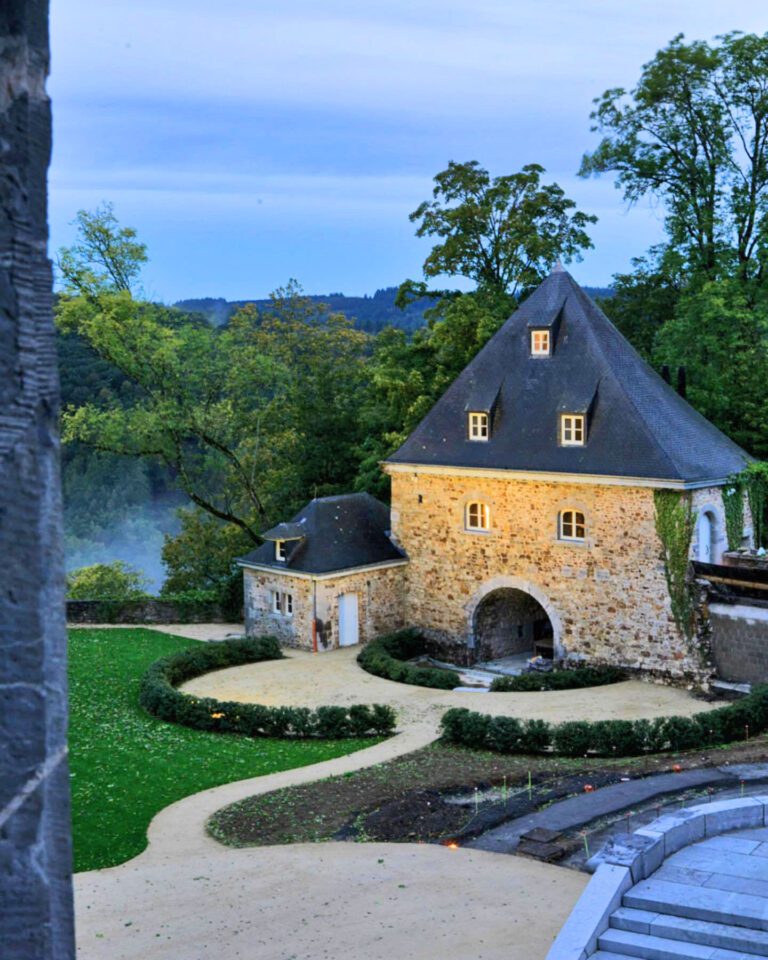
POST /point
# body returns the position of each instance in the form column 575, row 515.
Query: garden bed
column 404, row 800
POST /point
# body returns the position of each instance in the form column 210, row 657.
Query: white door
column 705, row 538
column 348, row 622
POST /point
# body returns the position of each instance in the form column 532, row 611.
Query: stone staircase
column 709, row 901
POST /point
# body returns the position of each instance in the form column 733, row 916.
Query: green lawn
column 126, row 765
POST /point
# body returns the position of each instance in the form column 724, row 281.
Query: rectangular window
column 478, row 426
column 540, row 343
column 282, row 603
column 478, row 516
column 281, row 553
column 572, row 430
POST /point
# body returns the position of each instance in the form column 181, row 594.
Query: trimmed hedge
column 610, row 738
column 384, row 657
column 559, row 680
column 158, row 695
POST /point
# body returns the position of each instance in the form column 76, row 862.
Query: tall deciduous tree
column 693, row 134
column 504, row 233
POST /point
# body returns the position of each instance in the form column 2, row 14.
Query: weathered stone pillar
column 35, row 861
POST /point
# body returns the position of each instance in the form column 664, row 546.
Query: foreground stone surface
column 35, row 888
column 335, row 900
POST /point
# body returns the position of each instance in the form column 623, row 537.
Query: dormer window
column 540, row 343
column 478, row 426
column 281, row 551
column 478, row 516
column 573, row 431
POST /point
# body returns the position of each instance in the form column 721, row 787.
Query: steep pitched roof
column 639, row 427
column 338, row 533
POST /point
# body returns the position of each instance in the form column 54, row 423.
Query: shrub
column 107, row 581
column 384, row 657
column 559, row 679
column 158, row 695
column 606, row 738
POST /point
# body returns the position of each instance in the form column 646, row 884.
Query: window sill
column 579, row 544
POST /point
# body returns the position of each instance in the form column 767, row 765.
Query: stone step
column 699, row 903
column 628, row 944
column 714, row 935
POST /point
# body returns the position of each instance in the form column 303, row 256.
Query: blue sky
column 250, row 142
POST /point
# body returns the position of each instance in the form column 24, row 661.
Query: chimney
column 682, row 385
column 665, row 373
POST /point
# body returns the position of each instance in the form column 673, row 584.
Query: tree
column 693, row 135
column 504, row 233
column 251, row 419
column 106, row 581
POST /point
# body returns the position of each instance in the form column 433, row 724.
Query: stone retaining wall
column 143, row 611
column 739, row 642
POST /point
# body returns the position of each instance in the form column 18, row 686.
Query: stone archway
column 509, row 616
column 509, row 622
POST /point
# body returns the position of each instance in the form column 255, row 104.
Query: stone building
column 524, row 504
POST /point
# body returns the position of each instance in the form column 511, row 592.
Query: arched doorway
column 705, row 537
column 509, row 622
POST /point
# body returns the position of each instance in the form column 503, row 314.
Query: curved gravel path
column 187, row 896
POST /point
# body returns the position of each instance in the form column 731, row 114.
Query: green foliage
column 158, row 695
column 570, row 679
column 504, row 233
column 674, row 526
column 384, row 657
column 692, row 134
column 106, row 581
column 756, row 481
column 732, row 495
column 610, row 738
column 126, row 766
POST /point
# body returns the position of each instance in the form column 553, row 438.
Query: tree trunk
column 35, row 859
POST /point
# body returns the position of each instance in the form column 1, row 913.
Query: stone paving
column 708, row 901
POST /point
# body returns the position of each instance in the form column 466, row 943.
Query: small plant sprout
column 586, row 842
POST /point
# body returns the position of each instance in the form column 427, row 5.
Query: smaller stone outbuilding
column 331, row 577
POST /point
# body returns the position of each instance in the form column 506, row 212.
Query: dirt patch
column 403, row 800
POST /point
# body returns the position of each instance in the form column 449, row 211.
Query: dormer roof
column 337, row 533
column 640, row 427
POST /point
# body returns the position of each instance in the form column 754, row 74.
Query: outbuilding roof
column 638, row 425
column 338, row 533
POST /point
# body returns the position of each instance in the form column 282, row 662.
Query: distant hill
column 370, row 313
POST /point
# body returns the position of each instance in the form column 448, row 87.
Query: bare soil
column 403, row 800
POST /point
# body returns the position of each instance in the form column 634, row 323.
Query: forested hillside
column 370, row 313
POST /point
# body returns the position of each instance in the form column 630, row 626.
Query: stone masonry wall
column 380, row 595
column 607, row 599
column 740, row 642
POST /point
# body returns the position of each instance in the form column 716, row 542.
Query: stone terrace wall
column 739, row 642
column 607, row 599
column 143, row 611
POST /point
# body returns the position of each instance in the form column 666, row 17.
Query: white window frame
column 541, row 343
column 482, row 520
column 282, row 603
column 479, row 426
column 573, row 429
column 281, row 553
column 569, row 519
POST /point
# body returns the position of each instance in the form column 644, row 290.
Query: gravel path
column 187, row 897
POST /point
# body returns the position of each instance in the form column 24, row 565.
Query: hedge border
column 576, row 678
column 159, row 696
column 609, row 738
column 384, row 656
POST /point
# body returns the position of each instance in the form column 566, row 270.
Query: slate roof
column 638, row 426
column 338, row 533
